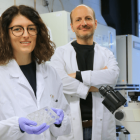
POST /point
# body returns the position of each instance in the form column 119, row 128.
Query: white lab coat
column 103, row 122
column 17, row 99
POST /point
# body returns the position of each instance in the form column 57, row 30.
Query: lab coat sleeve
column 71, row 86
column 104, row 77
column 9, row 129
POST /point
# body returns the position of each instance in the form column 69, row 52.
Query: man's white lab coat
column 17, row 99
column 103, row 122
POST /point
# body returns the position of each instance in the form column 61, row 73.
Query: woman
column 27, row 83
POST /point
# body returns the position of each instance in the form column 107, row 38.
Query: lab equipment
column 26, row 126
column 128, row 116
column 105, row 36
column 128, row 55
column 113, row 99
column 44, row 115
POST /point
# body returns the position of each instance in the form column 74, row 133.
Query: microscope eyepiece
column 109, row 88
column 102, row 90
column 113, row 99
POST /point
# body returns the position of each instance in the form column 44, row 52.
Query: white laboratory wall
column 68, row 5
column 25, row 2
column 62, row 33
column 4, row 4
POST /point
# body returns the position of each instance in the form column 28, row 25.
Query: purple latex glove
column 27, row 126
column 60, row 113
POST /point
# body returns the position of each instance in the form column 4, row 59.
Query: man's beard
column 85, row 37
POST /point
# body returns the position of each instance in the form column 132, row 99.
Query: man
column 84, row 66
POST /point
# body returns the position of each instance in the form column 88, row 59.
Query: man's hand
column 93, row 89
column 105, row 68
column 60, row 113
column 73, row 75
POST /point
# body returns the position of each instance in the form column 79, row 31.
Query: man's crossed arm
column 92, row 88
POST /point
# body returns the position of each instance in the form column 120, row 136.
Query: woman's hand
column 60, row 113
column 27, row 126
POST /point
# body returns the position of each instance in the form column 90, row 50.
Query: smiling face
column 24, row 44
column 83, row 23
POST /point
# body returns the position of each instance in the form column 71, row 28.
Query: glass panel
column 138, row 6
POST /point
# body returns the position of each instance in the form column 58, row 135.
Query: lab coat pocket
column 6, row 110
column 108, row 127
column 107, row 117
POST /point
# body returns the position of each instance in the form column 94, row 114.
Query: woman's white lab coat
column 17, row 99
column 103, row 122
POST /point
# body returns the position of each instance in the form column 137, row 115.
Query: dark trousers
column 87, row 133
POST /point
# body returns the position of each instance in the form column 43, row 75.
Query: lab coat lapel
column 74, row 60
column 95, row 58
column 70, row 57
column 18, row 76
column 99, row 62
column 40, row 76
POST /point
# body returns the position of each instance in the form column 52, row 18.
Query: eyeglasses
column 19, row 30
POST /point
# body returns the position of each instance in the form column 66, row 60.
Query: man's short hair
column 86, row 6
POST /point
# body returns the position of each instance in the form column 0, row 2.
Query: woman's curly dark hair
column 44, row 48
